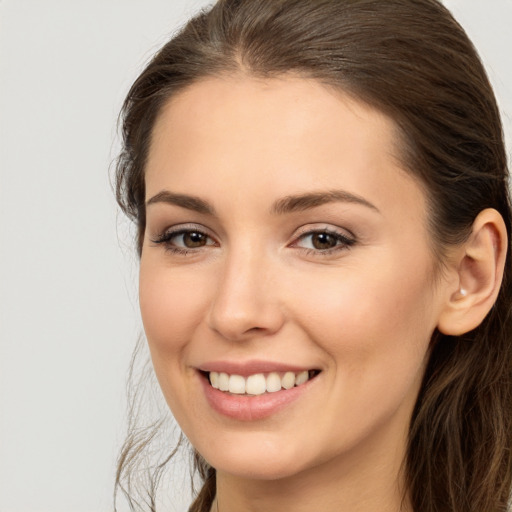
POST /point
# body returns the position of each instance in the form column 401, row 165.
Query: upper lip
column 250, row 367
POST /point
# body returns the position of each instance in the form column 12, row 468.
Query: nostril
column 244, row 307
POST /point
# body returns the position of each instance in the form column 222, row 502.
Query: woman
column 320, row 190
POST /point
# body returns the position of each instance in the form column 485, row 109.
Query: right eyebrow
column 183, row 200
column 307, row 201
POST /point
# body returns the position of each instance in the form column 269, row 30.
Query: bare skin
column 338, row 280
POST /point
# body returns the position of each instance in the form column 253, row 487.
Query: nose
column 245, row 302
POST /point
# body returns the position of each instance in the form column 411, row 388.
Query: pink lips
column 249, row 367
column 250, row 408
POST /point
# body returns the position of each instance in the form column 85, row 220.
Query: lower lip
column 251, row 408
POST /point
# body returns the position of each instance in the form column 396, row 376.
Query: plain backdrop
column 68, row 293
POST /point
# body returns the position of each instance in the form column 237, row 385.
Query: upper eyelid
column 302, row 231
column 183, row 228
column 323, row 228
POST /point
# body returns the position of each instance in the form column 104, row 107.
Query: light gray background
column 68, row 293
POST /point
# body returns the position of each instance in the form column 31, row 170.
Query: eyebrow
column 288, row 204
column 185, row 201
column 303, row 202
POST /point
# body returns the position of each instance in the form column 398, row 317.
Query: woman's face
column 282, row 237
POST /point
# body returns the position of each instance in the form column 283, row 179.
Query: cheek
column 376, row 325
column 377, row 339
column 172, row 305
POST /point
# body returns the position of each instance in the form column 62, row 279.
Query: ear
column 478, row 264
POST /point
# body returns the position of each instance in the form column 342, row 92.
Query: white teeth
column 302, row 377
column 214, row 379
column 288, row 380
column 257, row 384
column 273, row 382
column 223, row 381
column 237, row 384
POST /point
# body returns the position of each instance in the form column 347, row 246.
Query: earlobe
column 479, row 266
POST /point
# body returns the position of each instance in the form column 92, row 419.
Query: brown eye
column 182, row 240
column 194, row 239
column 323, row 241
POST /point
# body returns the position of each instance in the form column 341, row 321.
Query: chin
column 258, row 461
column 267, row 470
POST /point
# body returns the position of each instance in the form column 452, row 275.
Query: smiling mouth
column 258, row 383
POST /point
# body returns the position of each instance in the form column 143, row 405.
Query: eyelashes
column 323, row 241
column 185, row 240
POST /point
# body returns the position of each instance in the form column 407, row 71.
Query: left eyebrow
column 303, row 202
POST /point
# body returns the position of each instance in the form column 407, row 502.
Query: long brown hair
column 412, row 61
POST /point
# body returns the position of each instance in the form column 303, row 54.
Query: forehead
column 276, row 137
